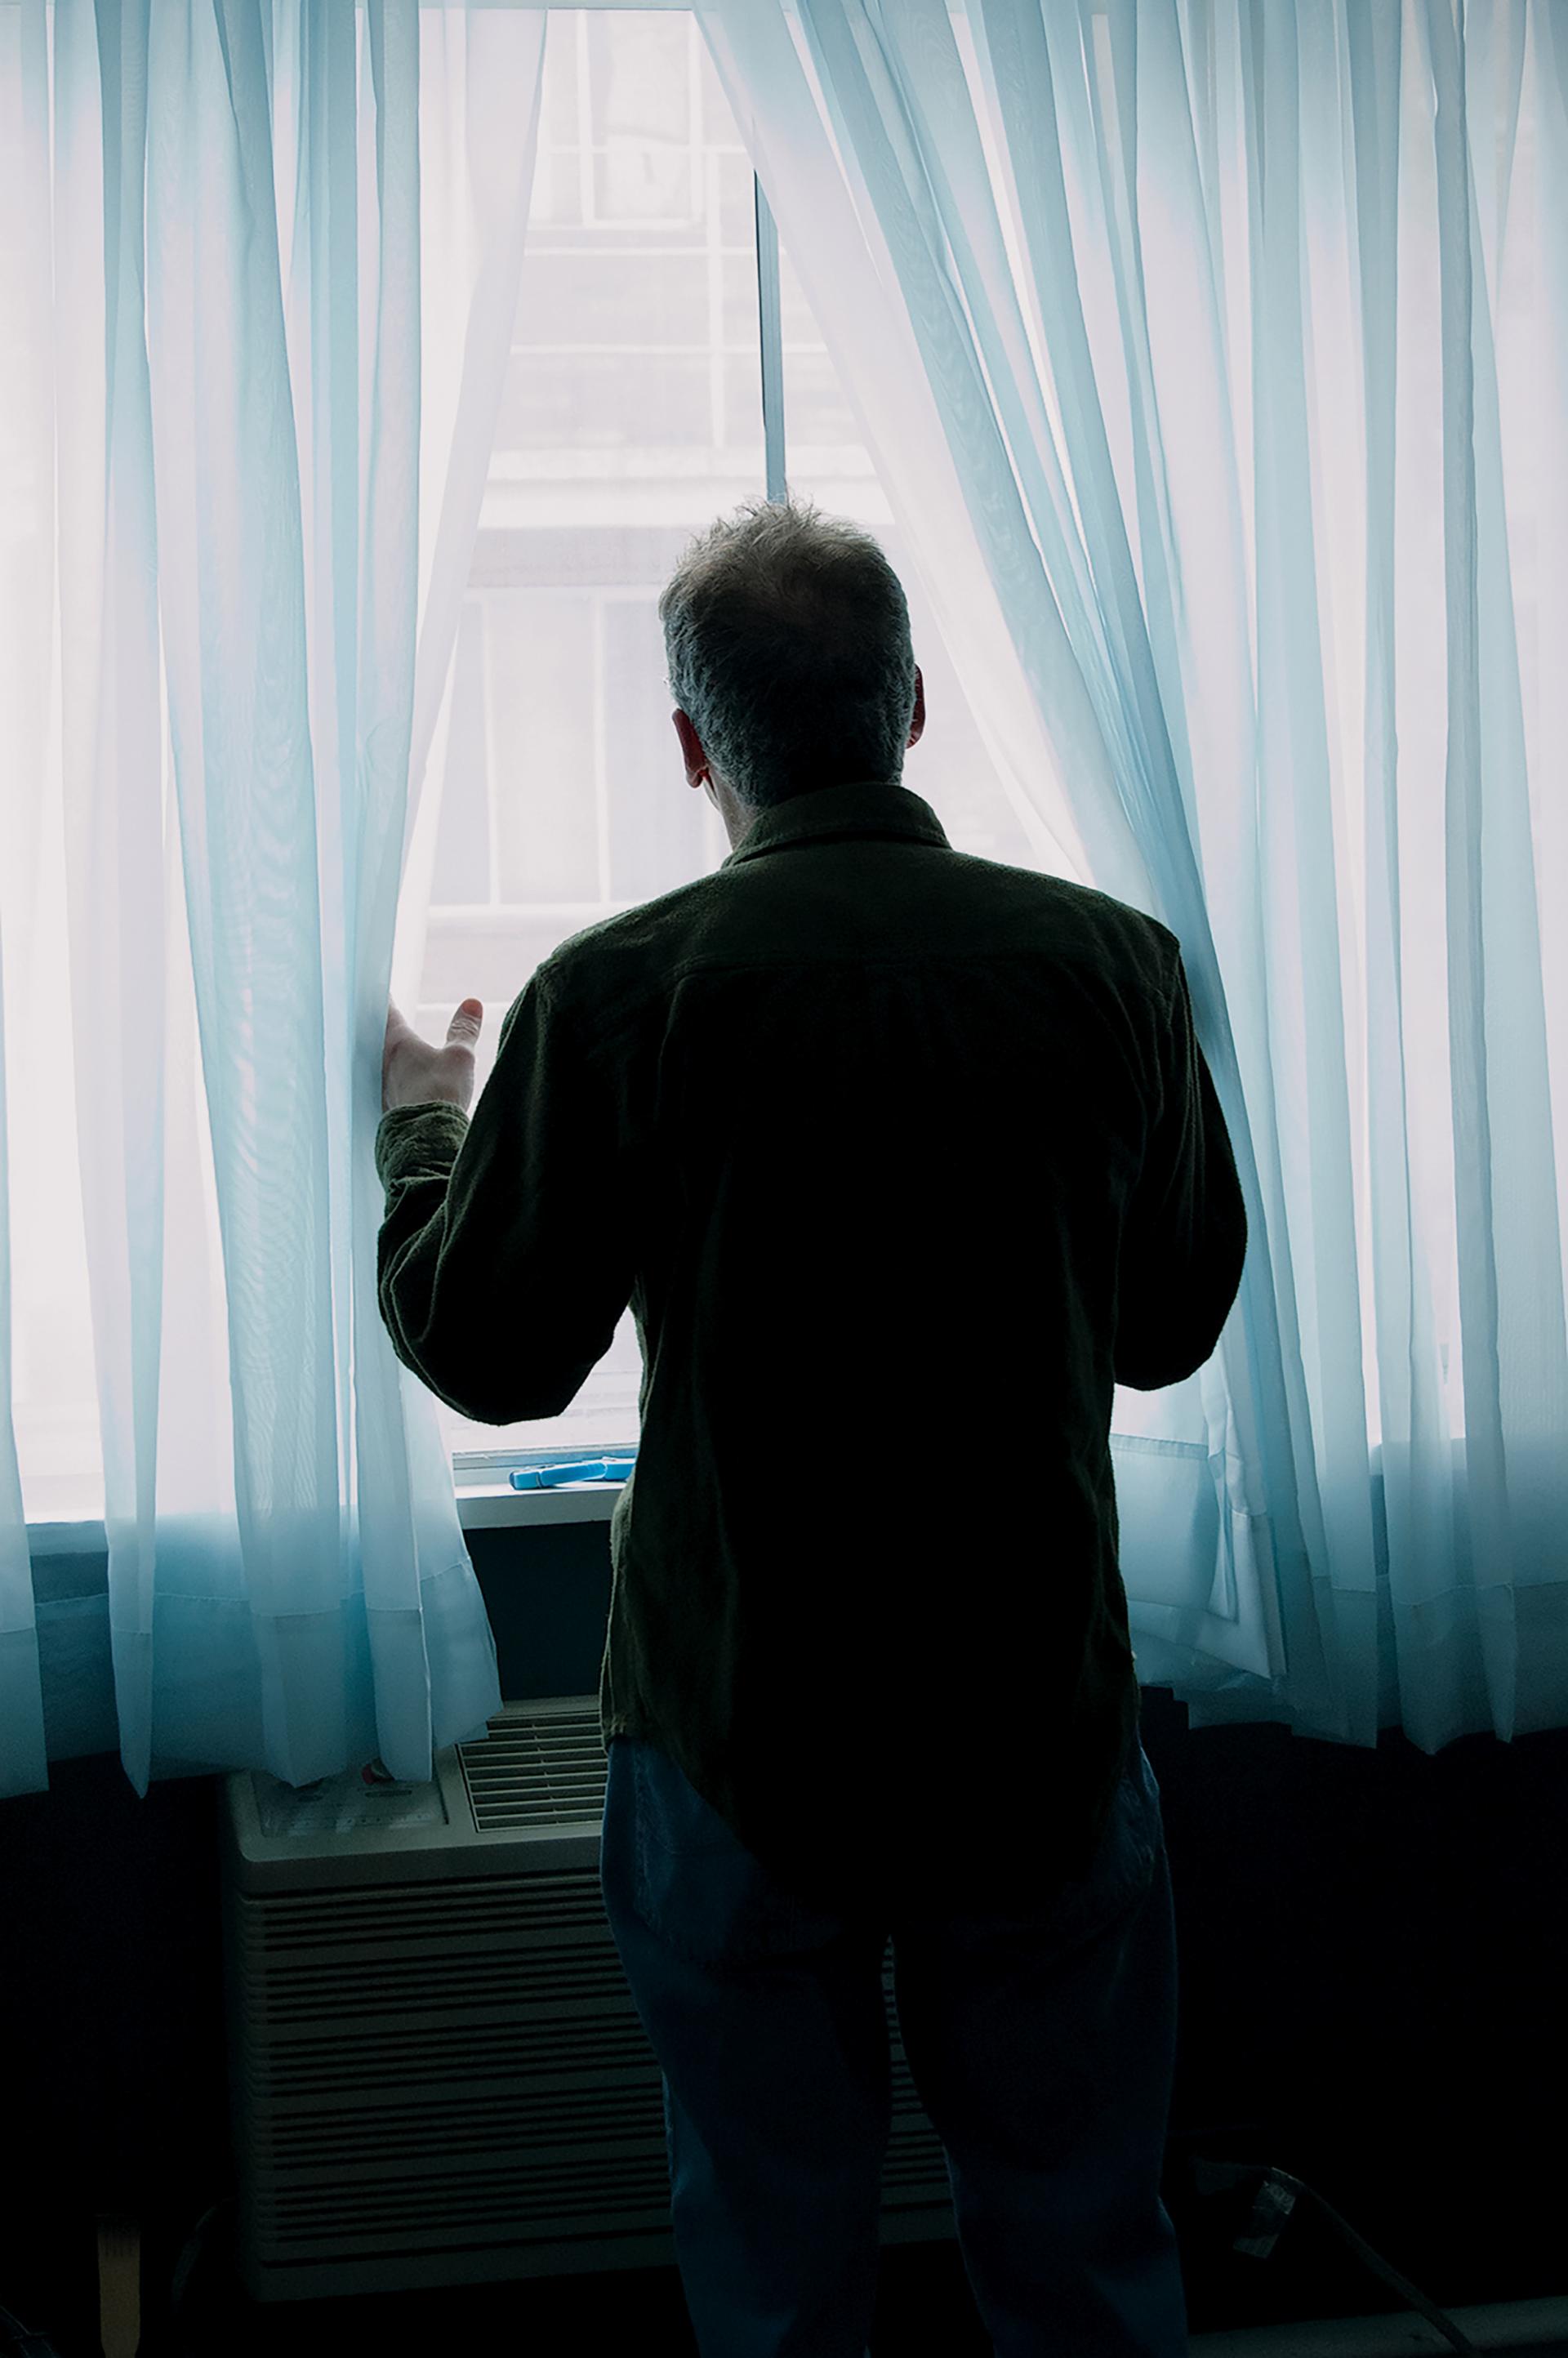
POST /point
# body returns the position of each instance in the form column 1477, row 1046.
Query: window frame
column 485, row 1497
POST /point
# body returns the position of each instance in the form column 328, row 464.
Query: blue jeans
column 1043, row 2048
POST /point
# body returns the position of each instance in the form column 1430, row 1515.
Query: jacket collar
column 868, row 807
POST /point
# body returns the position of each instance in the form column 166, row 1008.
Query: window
column 632, row 415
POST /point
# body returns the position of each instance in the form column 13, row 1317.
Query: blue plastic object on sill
column 580, row 1469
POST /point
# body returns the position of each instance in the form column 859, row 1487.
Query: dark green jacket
column 901, row 1158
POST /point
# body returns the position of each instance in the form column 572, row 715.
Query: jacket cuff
column 417, row 1142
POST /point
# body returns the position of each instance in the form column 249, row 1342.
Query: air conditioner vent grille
column 466, row 1909
column 526, row 2048
column 455, row 2125
column 514, row 2205
column 531, row 1771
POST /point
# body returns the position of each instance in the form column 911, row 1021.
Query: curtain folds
column 273, row 352
column 1213, row 359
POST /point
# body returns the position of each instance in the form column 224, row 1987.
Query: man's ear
column 918, row 723
column 692, row 754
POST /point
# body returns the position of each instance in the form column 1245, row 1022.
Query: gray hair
column 787, row 638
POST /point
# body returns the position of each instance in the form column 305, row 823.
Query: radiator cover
column 437, row 2072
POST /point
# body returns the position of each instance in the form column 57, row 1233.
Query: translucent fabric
column 266, row 290
column 1215, row 361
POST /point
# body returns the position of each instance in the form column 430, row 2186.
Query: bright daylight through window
column 632, row 416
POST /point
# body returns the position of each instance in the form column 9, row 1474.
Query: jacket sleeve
column 506, row 1253
column 1184, row 1232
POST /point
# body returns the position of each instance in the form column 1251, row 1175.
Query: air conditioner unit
column 437, row 2072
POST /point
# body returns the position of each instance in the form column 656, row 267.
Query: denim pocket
column 1123, row 1869
column 1077, row 1907
column 697, row 1886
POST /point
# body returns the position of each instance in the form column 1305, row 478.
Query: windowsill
column 481, row 1506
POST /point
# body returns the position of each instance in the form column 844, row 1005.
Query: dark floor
column 76, row 2291
column 925, row 2309
column 924, row 2306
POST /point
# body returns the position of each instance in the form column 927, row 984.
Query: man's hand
column 413, row 1073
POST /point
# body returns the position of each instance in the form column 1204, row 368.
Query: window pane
column 539, row 674
column 615, row 300
column 462, row 846
column 635, row 182
column 640, row 76
column 632, row 415
column 660, row 836
column 580, row 400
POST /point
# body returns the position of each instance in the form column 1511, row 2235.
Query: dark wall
column 1373, row 1946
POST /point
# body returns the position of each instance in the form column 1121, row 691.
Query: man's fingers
column 464, row 1028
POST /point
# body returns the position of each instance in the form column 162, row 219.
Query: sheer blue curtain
column 272, row 257
column 1215, row 357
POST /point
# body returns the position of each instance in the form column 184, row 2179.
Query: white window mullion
column 771, row 339
column 717, row 405
column 584, row 124
column 493, row 833
column 696, row 148
column 600, row 776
